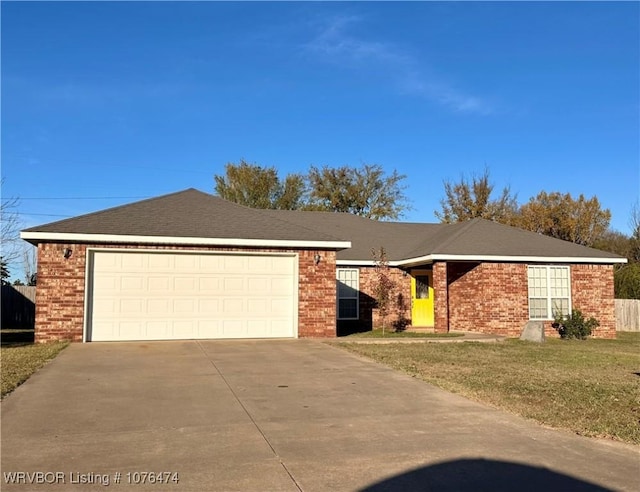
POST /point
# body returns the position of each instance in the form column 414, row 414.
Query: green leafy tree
column 366, row 191
column 626, row 281
column 626, row 278
column 259, row 187
column 614, row 242
column 470, row 199
column 384, row 285
column 581, row 220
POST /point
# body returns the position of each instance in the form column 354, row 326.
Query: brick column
column 441, row 302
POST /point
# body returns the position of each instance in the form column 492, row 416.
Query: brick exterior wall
column 592, row 293
column 399, row 311
column 61, row 288
column 441, row 297
column 493, row 297
column 488, row 298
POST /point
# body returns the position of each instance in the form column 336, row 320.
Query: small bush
column 574, row 325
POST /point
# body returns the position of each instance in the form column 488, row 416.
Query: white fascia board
column 421, row 260
column 199, row 241
column 525, row 259
column 366, row 263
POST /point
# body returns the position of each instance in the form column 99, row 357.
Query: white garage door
column 164, row 296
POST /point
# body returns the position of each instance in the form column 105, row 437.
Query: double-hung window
column 549, row 291
column 347, row 279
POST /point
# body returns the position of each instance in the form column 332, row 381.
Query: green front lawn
column 20, row 361
column 591, row 387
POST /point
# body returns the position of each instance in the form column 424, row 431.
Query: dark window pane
column 422, row 287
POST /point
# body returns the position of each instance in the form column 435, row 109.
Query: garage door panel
column 136, row 283
column 281, row 284
column 208, row 306
column 160, row 261
column 152, row 296
column 185, row 284
column 234, row 284
column 279, row 307
column 159, row 284
column 211, row 263
column 158, row 307
column 231, row 328
column 209, row 284
column 231, row 306
column 133, row 262
column 257, row 285
column 157, row 330
column 234, row 264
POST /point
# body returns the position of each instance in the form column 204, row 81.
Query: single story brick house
column 190, row 265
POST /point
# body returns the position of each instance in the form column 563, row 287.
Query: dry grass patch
column 400, row 334
column 19, row 362
column 591, row 387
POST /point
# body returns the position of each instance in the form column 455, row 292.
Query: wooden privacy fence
column 18, row 306
column 627, row 314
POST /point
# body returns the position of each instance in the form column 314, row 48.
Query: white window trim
column 357, row 296
column 548, row 296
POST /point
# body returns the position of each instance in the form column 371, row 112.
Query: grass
column 21, row 360
column 400, row 334
column 590, row 387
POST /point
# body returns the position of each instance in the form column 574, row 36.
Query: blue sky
column 122, row 99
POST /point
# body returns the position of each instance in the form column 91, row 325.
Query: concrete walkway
column 465, row 336
column 278, row 415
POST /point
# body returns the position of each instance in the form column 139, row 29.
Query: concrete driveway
column 276, row 415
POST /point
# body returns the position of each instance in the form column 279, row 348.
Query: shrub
column 574, row 325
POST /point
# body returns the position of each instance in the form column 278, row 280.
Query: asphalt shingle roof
column 192, row 213
column 189, row 213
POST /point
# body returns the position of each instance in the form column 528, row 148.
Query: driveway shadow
column 478, row 475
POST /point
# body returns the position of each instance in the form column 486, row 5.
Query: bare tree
column 384, row 285
column 10, row 227
column 634, row 222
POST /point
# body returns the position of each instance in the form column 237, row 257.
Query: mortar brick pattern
column 61, row 288
column 592, row 293
column 400, row 308
column 441, row 297
column 492, row 297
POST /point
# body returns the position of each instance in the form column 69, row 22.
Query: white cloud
column 337, row 44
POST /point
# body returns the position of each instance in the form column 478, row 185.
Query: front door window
column 422, row 287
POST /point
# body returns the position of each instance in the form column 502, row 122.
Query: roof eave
column 35, row 237
column 427, row 259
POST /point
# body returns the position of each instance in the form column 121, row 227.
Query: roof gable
column 186, row 214
column 195, row 217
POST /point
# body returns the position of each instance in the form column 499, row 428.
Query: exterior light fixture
column 67, row 253
column 316, row 258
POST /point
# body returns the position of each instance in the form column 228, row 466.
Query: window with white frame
column 347, row 293
column 549, row 291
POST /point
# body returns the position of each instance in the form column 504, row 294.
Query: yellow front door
column 422, row 298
